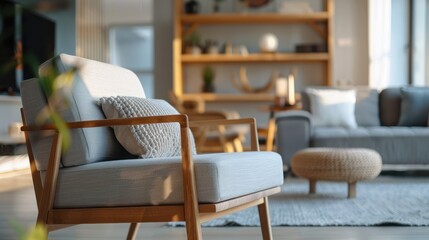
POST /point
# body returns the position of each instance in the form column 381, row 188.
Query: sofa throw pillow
column 146, row 140
column 367, row 107
column 332, row 107
column 414, row 106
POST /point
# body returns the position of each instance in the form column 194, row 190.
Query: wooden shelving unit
column 215, row 97
column 253, row 18
column 185, row 24
column 258, row 58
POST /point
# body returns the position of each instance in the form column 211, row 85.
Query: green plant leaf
column 18, row 229
column 39, row 232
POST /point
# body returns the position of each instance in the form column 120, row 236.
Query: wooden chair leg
column 264, row 218
column 238, row 145
column 132, row 232
column 312, row 186
column 229, row 147
column 193, row 231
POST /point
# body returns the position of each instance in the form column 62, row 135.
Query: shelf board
column 213, row 97
column 253, row 18
column 10, row 99
column 258, row 57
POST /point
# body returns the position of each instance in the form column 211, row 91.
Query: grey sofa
column 377, row 116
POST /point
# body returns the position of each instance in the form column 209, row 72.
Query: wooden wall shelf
column 253, row 18
column 239, row 97
column 259, row 58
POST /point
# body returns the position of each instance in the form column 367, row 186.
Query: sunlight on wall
column 379, row 43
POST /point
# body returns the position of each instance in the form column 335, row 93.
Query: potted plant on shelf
column 193, row 43
column 208, row 79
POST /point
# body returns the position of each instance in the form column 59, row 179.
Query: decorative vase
column 268, row 43
column 208, row 87
column 192, row 7
column 193, row 50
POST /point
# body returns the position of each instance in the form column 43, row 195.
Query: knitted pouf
column 337, row 164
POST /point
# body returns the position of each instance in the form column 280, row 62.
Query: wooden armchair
column 213, row 138
column 97, row 181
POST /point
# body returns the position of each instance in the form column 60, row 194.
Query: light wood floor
column 17, row 203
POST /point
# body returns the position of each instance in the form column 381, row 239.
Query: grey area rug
column 383, row 201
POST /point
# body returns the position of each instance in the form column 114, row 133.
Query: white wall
column 351, row 43
column 127, row 12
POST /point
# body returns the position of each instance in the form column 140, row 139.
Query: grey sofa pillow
column 414, row 106
column 146, row 140
column 367, row 110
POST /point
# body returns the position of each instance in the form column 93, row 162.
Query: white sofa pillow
column 332, row 107
column 146, row 140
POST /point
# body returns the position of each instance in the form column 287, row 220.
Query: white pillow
column 146, row 140
column 332, row 107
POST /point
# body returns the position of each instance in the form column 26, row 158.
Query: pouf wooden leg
column 312, row 186
column 351, row 190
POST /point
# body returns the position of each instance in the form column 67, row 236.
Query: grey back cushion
column 414, row 106
column 94, row 80
column 33, row 102
column 390, row 106
column 366, row 109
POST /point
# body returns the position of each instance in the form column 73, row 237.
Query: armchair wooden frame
column 190, row 211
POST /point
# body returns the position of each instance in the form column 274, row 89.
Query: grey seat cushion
column 396, row 145
column 219, row 177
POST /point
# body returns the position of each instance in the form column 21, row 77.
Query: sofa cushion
column 390, row 106
column 219, row 177
column 400, row 145
column 366, row 107
column 93, row 80
column 146, row 140
column 331, row 107
column 414, row 106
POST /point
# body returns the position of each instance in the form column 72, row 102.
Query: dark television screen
column 7, row 46
column 27, row 39
column 38, row 41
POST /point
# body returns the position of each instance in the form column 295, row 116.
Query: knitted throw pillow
column 146, row 140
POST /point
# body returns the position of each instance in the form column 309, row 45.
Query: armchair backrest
column 93, row 80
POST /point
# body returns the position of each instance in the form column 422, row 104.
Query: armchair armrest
column 293, row 133
column 254, row 145
column 179, row 118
